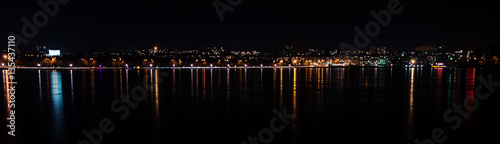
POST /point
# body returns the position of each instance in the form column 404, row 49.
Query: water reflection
column 469, row 96
column 39, row 87
column 57, row 105
column 411, row 109
column 157, row 105
column 281, row 87
column 121, row 84
column 72, row 90
column 317, row 96
column 294, row 125
column 126, row 83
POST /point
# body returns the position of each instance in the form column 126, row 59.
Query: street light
column 70, row 65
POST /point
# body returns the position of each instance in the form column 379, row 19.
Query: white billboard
column 54, row 52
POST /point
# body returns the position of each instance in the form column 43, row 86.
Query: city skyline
column 422, row 56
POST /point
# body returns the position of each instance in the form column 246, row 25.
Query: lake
column 238, row 105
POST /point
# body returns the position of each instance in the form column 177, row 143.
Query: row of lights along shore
column 229, row 66
column 151, row 65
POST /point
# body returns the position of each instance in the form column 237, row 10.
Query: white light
column 211, row 65
column 150, row 65
column 126, row 65
column 261, row 65
column 3, row 64
column 70, row 65
column 191, row 65
column 37, row 64
column 54, row 52
column 245, row 65
column 173, row 65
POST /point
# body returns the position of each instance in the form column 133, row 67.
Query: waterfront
column 394, row 105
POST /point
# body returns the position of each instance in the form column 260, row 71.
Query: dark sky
column 85, row 25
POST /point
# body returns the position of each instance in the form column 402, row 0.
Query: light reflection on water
column 315, row 95
column 57, row 105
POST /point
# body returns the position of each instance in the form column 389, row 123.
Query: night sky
column 84, row 26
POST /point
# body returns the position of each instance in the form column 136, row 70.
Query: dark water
column 332, row 105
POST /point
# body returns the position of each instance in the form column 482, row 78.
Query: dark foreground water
column 331, row 105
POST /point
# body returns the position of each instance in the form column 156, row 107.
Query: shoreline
column 248, row 67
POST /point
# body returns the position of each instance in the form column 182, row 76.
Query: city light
column 37, row 65
column 3, row 64
column 364, row 59
column 55, row 52
column 70, row 65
